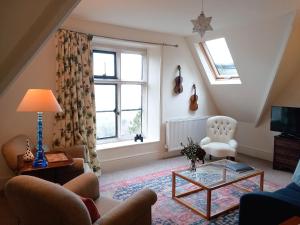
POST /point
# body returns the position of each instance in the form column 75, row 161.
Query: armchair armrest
column 76, row 151
column 233, row 143
column 131, row 210
column 205, row 141
column 85, row 185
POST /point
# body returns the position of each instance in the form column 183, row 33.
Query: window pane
column 105, row 124
column 221, row 56
column 104, row 64
column 131, row 122
column 105, row 97
column 131, row 96
column 131, row 66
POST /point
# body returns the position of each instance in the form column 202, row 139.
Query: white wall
column 41, row 74
column 259, row 141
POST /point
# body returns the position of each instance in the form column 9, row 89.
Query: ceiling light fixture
column 202, row 23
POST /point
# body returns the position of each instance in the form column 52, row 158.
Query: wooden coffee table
column 210, row 177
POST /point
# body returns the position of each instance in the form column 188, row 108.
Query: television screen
column 286, row 120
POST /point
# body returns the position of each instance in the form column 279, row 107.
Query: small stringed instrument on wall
column 178, row 82
column 193, row 100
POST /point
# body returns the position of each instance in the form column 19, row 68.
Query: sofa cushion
column 291, row 193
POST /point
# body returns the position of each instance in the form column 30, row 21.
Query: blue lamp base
column 40, row 159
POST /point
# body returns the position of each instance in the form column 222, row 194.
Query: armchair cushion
column 219, row 149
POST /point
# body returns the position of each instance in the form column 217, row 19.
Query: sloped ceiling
column 25, row 25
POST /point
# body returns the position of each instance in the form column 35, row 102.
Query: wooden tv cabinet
column 286, row 153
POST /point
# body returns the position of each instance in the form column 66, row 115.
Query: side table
column 56, row 161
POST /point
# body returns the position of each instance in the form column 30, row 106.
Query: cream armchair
column 219, row 141
column 35, row 201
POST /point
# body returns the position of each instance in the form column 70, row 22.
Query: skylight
column 219, row 59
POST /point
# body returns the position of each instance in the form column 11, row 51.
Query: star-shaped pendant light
column 202, row 23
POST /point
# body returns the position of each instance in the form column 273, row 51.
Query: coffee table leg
column 261, row 184
column 208, row 204
column 173, row 184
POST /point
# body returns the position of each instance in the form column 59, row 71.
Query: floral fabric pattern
column 76, row 125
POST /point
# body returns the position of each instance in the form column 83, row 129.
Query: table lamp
column 39, row 100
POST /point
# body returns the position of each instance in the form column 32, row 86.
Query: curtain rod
column 130, row 40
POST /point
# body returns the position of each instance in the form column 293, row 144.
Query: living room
column 262, row 37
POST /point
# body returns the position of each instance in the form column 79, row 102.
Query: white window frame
column 210, row 62
column 118, row 82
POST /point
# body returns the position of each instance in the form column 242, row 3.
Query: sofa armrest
column 233, row 143
column 270, row 208
column 205, row 141
column 85, row 185
column 130, row 211
column 76, row 151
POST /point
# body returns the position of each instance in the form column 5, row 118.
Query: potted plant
column 193, row 152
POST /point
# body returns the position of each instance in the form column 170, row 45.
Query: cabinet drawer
column 288, row 161
column 286, row 152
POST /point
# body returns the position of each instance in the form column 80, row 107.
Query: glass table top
column 214, row 174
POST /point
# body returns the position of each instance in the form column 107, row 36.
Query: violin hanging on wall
column 178, row 82
column 193, row 100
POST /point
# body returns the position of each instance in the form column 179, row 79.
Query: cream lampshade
column 39, row 100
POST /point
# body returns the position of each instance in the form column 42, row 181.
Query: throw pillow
column 91, row 207
column 296, row 175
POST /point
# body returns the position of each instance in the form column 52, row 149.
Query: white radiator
column 178, row 130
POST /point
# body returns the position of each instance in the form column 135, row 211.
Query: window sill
column 120, row 144
column 225, row 81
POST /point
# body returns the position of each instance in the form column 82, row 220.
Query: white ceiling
column 173, row 16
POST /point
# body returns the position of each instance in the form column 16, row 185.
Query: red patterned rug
column 168, row 212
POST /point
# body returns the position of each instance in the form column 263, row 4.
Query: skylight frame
column 209, row 60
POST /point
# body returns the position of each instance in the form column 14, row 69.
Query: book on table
column 239, row 167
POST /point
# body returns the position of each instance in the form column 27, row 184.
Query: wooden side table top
column 53, row 159
column 295, row 220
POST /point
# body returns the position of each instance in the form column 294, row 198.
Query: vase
column 193, row 166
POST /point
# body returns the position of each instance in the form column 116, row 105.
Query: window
column 219, row 59
column 120, row 93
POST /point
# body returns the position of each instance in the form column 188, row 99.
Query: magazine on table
column 239, row 167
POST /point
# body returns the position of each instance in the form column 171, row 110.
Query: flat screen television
column 286, row 120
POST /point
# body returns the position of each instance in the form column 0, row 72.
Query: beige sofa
column 16, row 146
column 36, row 201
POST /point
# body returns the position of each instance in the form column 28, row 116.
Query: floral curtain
column 75, row 94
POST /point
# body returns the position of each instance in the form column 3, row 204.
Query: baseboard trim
column 127, row 162
column 130, row 156
column 255, row 152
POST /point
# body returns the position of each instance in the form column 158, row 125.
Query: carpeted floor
column 157, row 176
